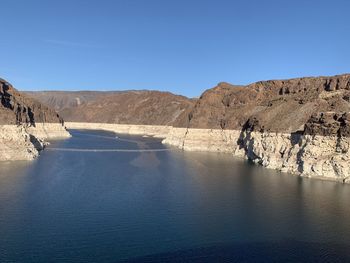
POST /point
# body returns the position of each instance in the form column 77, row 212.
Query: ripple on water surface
column 167, row 205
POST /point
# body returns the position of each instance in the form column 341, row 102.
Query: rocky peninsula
column 298, row 125
column 25, row 125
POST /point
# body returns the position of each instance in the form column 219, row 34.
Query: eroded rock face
column 298, row 125
column 316, row 156
column 25, row 124
column 18, row 144
column 283, row 106
column 16, row 108
column 329, row 124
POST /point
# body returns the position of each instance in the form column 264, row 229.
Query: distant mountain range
column 275, row 106
column 301, row 126
column 124, row 107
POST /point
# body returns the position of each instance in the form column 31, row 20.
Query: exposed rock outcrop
column 283, row 106
column 326, row 157
column 25, row 125
column 316, row 156
column 276, row 106
column 329, row 124
column 298, row 125
column 18, row 144
column 16, row 108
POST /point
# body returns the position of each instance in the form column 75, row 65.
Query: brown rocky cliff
column 274, row 106
column 284, row 106
column 16, row 108
column 329, row 124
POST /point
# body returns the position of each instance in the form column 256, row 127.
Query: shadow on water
column 284, row 251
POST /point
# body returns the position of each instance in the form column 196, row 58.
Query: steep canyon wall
column 25, row 125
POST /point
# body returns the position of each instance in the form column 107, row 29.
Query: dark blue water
column 170, row 206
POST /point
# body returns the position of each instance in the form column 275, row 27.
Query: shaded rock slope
column 17, row 108
column 25, row 124
column 128, row 107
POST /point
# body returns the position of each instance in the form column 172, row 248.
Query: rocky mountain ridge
column 61, row 100
column 123, row 107
column 272, row 106
column 285, row 106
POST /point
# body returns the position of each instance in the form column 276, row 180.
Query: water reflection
column 111, row 206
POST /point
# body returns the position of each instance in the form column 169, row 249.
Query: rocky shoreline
column 299, row 126
column 22, row 142
column 25, row 125
column 316, row 156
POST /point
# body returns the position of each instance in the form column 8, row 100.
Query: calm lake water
column 166, row 206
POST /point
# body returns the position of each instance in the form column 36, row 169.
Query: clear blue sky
column 182, row 46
